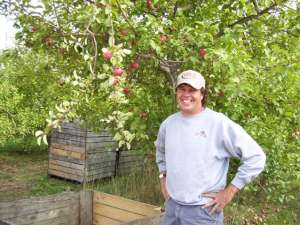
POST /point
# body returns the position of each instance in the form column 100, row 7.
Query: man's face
column 188, row 99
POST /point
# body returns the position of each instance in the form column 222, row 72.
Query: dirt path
column 18, row 173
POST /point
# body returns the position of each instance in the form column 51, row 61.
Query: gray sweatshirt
column 195, row 150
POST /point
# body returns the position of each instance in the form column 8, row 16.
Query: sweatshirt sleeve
column 239, row 144
column 160, row 148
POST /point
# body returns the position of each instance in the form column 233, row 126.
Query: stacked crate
column 79, row 154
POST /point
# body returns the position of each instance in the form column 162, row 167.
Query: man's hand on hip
column 163, row 188
column 220, row 199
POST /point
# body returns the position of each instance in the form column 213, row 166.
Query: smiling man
column 193, row 149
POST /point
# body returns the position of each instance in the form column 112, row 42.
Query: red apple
column 149, row 4
column 33, row 29
column 202, row 52
column 143, row 115
column 107, row 54
column 221, row 94
column 124, row 33
column 126, row 91
column 118, row 72
column 134, row 65
column 162, row 38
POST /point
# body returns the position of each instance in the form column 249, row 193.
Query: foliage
column 247, row 50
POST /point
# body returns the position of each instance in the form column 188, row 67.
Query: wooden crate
column 115, row 210
column 76, row 208
column 128, row 161
column 70, row 208
column 81, row 155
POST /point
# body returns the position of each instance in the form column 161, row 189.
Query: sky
column 7, row 33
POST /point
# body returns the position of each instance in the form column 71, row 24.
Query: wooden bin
column 76, row 208
column 81, row 155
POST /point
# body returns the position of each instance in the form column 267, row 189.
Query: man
column 193, row 149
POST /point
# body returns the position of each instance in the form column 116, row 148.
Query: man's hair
column 204, row 93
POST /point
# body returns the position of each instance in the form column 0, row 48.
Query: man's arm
column 160, row 160
column 237, row 143
column 163, row 188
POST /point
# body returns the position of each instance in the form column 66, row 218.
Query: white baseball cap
column 192, row 78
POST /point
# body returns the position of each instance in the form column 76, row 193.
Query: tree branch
column 248, row 18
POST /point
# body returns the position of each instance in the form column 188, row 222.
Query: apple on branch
column 202, row 52
column 107, row 54
column 117, row 72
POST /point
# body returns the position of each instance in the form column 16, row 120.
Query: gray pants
column 177, row 214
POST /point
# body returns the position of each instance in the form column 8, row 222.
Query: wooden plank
column 66, row 169
column 68, row 147
column 115, row 213
column 68, row 142
column 86, row 207
column 130, row 153
column 66, row 164
column 100, row 145
column 102, row 220
column 67, row 153
column 99, row 176
column 100, row 165
column 100, row 139
column 123, row 203
column 105, row 156
column 67, row 159
column 63, row 220
column 110, row 169
column 67, row 212
column 37, row 204
column 131, row 159
column 66, row 175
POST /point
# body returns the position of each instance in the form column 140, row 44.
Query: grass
column 23, row 173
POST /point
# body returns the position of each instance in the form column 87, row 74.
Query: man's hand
column 163, row 188
column 220, row 199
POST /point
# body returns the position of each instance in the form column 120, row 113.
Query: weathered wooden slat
column 94, row 146
column 110, row 169
column 130, row 153
column 63, row 220
column 68, row 142
column 139, row 208
column 68, row 176
column 102, row 220
column 99, row 139
column 115, row 213
column 86, row 207
column 66, row 164
column 35, row 204
column 66, row 169
column 99, row 176
column 67, row 153
column 68, row 147
column 39, row 217
column 100, row 165
column 67, row 159
column 131, row 159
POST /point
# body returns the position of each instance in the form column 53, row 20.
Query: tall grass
column 142, row 184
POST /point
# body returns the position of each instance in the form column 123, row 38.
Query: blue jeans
column 177, row 214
